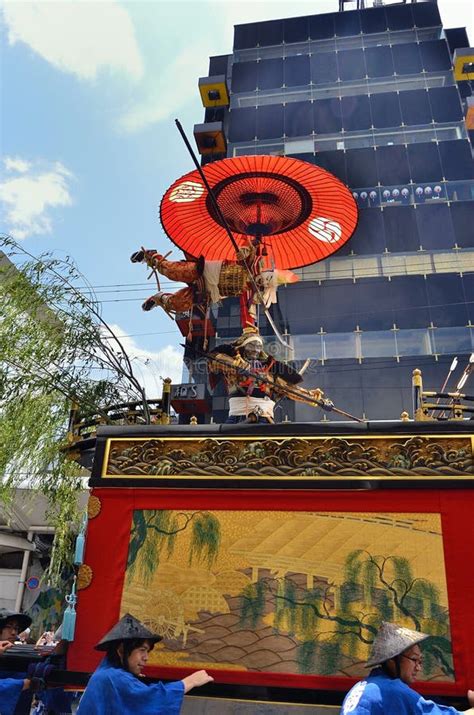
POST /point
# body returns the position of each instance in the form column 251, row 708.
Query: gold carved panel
column 299, row 458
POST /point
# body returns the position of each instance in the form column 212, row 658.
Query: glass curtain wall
column 371, row 97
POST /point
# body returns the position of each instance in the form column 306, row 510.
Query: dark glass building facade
column 370, row 95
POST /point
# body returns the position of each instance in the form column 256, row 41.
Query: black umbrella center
column 260, row 203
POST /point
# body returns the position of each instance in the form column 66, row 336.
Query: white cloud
column 16, row 164
column 28, row 196
column 175, row 87
column 150, row 366
column 172, row 85
column 457, row 13
column 76, row 36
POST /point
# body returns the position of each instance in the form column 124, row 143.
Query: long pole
column 326, row 405
column 464, row 377
column 208, row 187
column 443, row 387
column 228, row 231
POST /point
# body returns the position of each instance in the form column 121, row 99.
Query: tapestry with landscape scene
column 300, row 593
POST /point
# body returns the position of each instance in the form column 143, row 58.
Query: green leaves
column 206, row 538
column 157, row 530
column 55, row 350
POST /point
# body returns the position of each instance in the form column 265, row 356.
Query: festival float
column 269, row 553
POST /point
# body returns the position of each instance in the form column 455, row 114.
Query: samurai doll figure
column 211, row 281
column 255, row 379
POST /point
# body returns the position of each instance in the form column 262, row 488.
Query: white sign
column 186, row 192
column 325, row 229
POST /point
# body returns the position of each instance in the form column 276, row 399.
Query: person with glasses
column 396, row 660
column 11, row 624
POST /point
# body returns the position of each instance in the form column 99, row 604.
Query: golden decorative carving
column 94, row 506
column 293, row 457
column 84, row 577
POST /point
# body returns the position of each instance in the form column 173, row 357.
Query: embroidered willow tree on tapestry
column 336, row 624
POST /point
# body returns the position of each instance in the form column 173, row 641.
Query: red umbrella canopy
column 302, row 213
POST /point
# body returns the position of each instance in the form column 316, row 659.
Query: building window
column 243, row 124
column 460, row 191
column 339, row 345
column 322, row 39
column 456, row 159
column 244, row 77
column 299, row 146
column 447, row 341
column 435, row 227
column 296, row 71
column 269, row 74
column 298, row 119
column 351, row 65
column 378, row 343
column 399, row 17
column 435, row 56
column 270, row 122
column 308, row 346
column 356, row 113
column 385, row 109
column 413, row 342
column 445, row 104
column 407, row 58
column 421, row 263
column 462, row 215
column 269, row 80
column 379, row 61
column 392, row 165
column 327, row 116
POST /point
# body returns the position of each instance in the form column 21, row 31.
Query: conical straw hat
column 128, row 628
column 391, row 640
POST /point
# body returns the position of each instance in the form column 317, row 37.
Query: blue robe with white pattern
column 381, row 695
column 113, row 691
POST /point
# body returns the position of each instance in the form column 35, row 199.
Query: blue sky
column 90, row 93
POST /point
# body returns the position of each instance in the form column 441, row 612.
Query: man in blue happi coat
column 14, row 696
column 396, row 658
column 115, row 687
column 10, row 688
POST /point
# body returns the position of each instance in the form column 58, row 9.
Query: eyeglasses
column 417, row 661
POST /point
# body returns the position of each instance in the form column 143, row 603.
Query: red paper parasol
column 302, row 212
